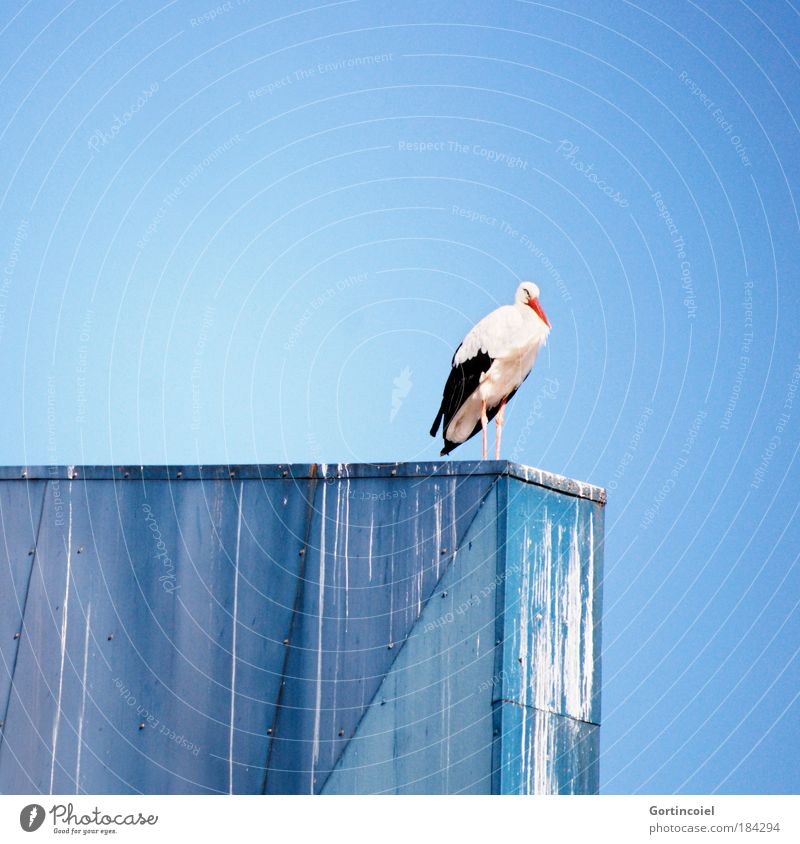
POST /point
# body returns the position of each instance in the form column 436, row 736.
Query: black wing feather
column 463, row 380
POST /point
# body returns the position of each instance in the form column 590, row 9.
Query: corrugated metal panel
column 271, row 628
column 429, row 729
column 547, row 688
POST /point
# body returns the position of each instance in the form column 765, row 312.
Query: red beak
column 534, row 303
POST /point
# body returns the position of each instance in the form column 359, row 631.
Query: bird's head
column 528, row 294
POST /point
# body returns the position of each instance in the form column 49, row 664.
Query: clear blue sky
column 228, row 228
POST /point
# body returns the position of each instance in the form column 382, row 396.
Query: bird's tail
column 435, row 426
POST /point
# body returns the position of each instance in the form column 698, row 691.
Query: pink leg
column 484, row 423
column 499, row 421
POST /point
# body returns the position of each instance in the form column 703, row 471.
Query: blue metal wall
column 299, row 629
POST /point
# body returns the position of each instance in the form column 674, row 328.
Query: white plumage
column 488, row 367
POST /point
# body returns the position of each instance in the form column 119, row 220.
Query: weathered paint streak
column 82, row 715
column 63, row 642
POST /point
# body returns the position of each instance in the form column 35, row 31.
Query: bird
column 488, row 367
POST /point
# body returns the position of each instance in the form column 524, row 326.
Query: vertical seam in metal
column 312, row 494
column 501, row 570
column 22, row 616
column 233, row 637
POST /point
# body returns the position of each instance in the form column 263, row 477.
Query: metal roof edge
column 301, row 471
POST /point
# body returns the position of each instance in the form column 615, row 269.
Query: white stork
column 488, row 368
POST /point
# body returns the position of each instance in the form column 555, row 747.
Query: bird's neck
column 531, row 315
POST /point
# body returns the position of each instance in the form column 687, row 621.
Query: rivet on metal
column 31, row 552
column 394, row 473
column 24, row 474
column 285, row 473
column 16, row 635
column 341, row 733
column 179, row 475
column 269, row 731
column 141, row 725
column 444, row 594
column 302, row 551
column 383, row 701
column 127, row 474
column 110, row 636
column 74, row 475
column 232, row 473
column 390, row 645
column 285, row 641
column 80, row 549
column 443, row 551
